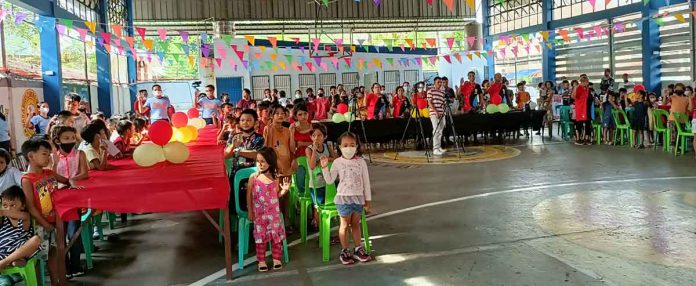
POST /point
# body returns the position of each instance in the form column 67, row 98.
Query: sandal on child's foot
column 262, row 267
column 277, row 265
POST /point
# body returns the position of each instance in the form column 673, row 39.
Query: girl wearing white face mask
column 39, row 122
column 352, row 196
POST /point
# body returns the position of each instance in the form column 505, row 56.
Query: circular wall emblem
column 29, row 103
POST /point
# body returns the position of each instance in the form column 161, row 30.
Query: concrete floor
column 557, row 214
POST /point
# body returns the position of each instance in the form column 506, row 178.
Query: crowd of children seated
column 66, row 149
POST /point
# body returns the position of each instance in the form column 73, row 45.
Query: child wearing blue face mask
column 352, row 195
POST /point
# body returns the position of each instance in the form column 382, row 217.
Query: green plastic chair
column 623, row 127
column 244, row 224
column 683, row 131
column 597, row 125
column 86, row 237
column 304, row 199
column 327, row 211
column 221, row 215
column 661, row 129
column 28, row 272
column 566, row 126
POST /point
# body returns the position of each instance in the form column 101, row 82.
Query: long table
column 387, row 130
column 198, row 184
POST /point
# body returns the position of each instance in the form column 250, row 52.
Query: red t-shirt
column 693, row 112
column 467, row 89
column 371, row 102
column 397, row 103
column 494, row 92
column 44, row 185
column 322, row 105
column 135, row 108
column 122, row 144
column 421, row 100
column 302, row 137
column 581, row 94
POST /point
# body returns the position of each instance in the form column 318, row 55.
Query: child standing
column 263, row 192
column 16, row 240
column 639, row 120
column 301, row 136
column 278, row 137
column 353, row 194
column 9, row 176
column 607, row 118
column 314, row 153
column 38, row 185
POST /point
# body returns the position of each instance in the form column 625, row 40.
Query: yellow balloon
column 425, row 113
column 194, row 132
column 183, row 135
column 173, row 134
column 176, row 152
column 148, row 154
column 197, row 122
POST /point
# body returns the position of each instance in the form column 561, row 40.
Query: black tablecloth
column 387, row 130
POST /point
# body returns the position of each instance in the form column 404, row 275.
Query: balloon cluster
column 169, row 141
column 502, row 108
column 347, row 117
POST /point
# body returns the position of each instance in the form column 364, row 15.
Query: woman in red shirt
column 419, row 96
column 582, row 122
column 400, row 105
column 371, row 100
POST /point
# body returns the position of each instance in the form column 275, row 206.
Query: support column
column 548, row 55
column 132, row 65
column 103, row 66
column 487, row 40
column 651, row 50
column 51, row 71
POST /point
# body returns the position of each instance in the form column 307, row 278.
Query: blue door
column 230, row 85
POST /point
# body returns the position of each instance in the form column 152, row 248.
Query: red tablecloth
column 200, row 183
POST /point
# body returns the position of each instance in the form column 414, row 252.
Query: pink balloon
column 342, row 108
column 193, row 113
column 179, row 119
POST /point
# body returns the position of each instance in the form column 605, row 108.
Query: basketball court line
column 221, row 273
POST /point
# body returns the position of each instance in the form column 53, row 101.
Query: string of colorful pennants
column 143, row 47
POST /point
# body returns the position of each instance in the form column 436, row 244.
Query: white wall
column 13, row 93
column 227, row 69
column 455, row 71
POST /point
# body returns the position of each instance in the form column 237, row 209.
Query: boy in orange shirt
column 522, row 96
column 38, row 185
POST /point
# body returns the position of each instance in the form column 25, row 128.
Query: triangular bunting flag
column 83, row 33
column 219, row 62
column 544, row 35
column 130, row 41
column 390, row 61
column 468, row 55
column 403, row 47
column 310, row 66
column 411, row 44
column 289, row 58
column 283, row 66
column 471, row 4
column 315, row 43
column 20, row 16
column 118, row 30
column 205, row 50
column 450, row 43
column 274, row 57
column 92, row 26
column 431, row 41
column 449, row 4
column 377, row 62
column 60, row 28
column 184, row 36
column 458, row 56
column 447, row 58
column 140, row 30
column 334, row 61
column 240, row 55
column 274, row 41
column 592, row 2
column 432, row 60
column 390, row 44
column 162, row 34
column 106, row 36
column 325, row 66
column 580, row 32
column 318, row 61
column 680, row 18
column 227, row 39
column 296, row 40
column 67, row 22
column 186, row 48
column 257, row 55
column 471, row 41
column 251, row 40
column 347, row 60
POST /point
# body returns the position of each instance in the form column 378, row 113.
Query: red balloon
column 342, row 108
column 160, row 132
column 193, row 113
column 179, row 119
column 496, row 99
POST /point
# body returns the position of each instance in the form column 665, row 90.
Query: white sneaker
column 443, row 150
column 437, row 152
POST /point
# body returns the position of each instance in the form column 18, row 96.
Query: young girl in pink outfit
column 262, row 198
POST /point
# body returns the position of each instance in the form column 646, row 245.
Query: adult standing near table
column 39, row 122
column 246, row 102
column 80, row 116
column 468, row 91
column 495, row 90
column 625, row 83
column 210, row 106
column 371, row 100
column 139, row 104
column 583, row 125
column 158, row 106
column 400, row 104
column 679, row 103
column 436, row 102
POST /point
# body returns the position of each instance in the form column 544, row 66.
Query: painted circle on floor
column 474, row 154
column 653, row 227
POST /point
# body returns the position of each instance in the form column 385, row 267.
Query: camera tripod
column 448, row 116
column 354, row 107
column 419, row 136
